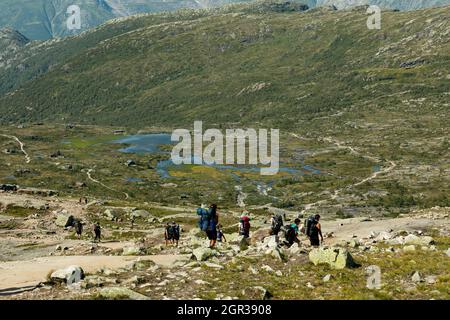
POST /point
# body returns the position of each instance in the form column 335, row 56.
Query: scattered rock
column 277, row 253
column 421, row 241
column 130, row 163
column 294, row 249
column 326, row 278
column 416, row 277
column 163, row 283
column 140, row 214
column 119, row 293
column 448, row 252
column 409, row 248
column 256, row 293
column 64, row 219
column 131, row 251
column 79, row 184
column 260, row 235
column 336, row 258
column 96, row 281
column 202, row 254
column 353, row 243
column 267, row 269
column 69, row 276
column 214, row 265
column 384, row 236
column 430, row 279
column 253, row 270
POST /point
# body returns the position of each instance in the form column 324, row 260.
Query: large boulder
column 336, row 258
column 97, row 281
column 384, row 236
column 277, row 253
column 69, row 276
column 203, row 254
column 233, row 237
column 421, row 241
column 294, row 249
column 259, row 235
column 112, row 214
column 140, row 214
column 119, row 293
column 131, row 251
column 64, row 219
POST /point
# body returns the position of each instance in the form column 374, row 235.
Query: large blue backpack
column 203, row 222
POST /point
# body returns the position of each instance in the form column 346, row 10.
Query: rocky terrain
column 364, row 142
column 42, row 260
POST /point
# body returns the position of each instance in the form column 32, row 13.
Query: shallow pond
column 151, row 143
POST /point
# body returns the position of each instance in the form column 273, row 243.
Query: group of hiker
column 311, row 228
column 77, row 224
column 209, row 223
column 172, row 233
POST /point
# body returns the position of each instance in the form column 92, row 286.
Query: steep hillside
column 11, row 42
column 260, row 66
column 45, row 19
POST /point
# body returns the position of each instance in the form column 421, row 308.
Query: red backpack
column 245, row 221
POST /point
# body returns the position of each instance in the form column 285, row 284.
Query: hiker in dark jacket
column 316, row 231
column 168, row 234
column 175, row 232
column 78, row 228
column 211, row 231
column 292, row 233
column 220, row 234
column 276, row 222
column 244, row 225
column 97, row 232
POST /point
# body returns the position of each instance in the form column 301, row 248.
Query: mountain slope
column 271, row 68
column 11, row 42
column 389, row 4
column 45, row 19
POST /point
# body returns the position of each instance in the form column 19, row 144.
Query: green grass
column 16, row 211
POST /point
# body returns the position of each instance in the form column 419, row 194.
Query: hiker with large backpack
column 291, row 233
column 97, row 232
column 168, row 234
column 276, row 224
column 203, row 222
column 209, row 218
column 78, row 228
column 244, row 225
column 175, row 232
column 211, row 231
column 313, row 230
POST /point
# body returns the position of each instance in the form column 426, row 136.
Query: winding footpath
column 22, row 146
column 352, row 150
column 104, row 185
